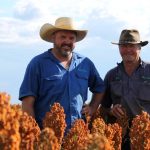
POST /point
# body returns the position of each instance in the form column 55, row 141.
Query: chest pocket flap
column 53, row 77
column 82, row 74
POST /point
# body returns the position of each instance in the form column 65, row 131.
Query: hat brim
column 142, row 43
column 47, row 31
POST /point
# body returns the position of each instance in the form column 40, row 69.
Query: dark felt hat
column 130, row 37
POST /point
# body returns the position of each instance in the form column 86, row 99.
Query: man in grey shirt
column 128, row 84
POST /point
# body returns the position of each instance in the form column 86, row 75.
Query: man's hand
column 87, row 110
column 117, row 111
column 91, row 108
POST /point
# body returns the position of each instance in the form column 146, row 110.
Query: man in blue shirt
column 60, row 75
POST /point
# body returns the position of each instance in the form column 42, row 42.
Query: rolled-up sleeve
column 30, row 84
column 96, row 84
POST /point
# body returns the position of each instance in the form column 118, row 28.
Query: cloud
column 27, row 12
column 29, row 15
column 20, row 25
column 1, row 11
column 132, row 14
column 18, row 31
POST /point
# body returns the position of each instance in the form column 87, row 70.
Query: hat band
column 128, row 41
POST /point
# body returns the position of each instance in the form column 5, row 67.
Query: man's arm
column 95, row 102
column 28, row 105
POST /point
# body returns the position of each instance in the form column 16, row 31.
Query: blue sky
column 20, row 22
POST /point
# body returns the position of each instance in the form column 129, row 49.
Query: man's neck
column 65, row 61
column 60, row 57
column 131, row 67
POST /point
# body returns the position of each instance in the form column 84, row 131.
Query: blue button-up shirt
column 48, row 81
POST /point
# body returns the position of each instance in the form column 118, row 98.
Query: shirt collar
column 48, row 54
column 142, row 64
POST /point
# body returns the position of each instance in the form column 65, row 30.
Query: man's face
column 64, row 42
column 130, row 53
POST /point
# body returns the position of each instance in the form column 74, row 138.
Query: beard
column 64, row 50
column 128, row 58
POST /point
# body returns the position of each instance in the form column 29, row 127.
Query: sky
column 21, row 20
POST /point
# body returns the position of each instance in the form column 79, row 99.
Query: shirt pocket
column 116, row 91
column 51, row 84
column 144, row 96
column 144, row 93
column 82, row 81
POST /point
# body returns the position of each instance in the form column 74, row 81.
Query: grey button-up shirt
column 132, row 92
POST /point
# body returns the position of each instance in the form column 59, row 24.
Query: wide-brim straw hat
column 63, row 23
column 130, row 37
